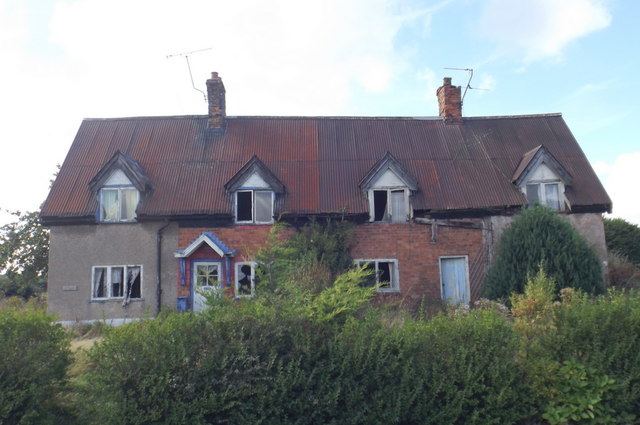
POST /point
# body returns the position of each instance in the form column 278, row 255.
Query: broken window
column 547, row 194
column 254, row 206
column 116, row 282
column 118, row 204
column 390, row 205
column 384, row 276
column 245, row 279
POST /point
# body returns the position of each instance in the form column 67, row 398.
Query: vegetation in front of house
column 623, row 238
column 311, row 348
column 537, row 236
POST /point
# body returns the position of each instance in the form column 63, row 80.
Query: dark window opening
column 244, row 206
column 384, row 274
column 134, row 282
column 380, row 205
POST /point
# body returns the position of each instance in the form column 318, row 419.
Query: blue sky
column 69, row 59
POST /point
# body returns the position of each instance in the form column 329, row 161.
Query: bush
column 624, row 238
column 34, row 355
column 539, row 235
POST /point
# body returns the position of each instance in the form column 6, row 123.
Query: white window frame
column 238, row 266
column 109, row 284
column 394, row 285
column 253, row 206
column 389, row 190
column 119, row 190
column 542, row 193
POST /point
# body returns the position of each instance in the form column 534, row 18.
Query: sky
column 65, row 60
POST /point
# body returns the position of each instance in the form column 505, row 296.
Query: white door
column 206, row 278
column 455, row 283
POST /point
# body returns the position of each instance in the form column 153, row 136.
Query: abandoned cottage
column 148, row 211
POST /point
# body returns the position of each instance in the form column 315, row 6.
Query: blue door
column 455, row 284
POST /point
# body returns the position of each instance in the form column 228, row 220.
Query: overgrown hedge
column 34, row 355
column 188, row 369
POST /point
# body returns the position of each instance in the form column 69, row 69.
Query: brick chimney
column 450, row 102
column 217, row 108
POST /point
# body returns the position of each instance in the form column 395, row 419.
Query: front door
column 206, row 278
column 455, row 284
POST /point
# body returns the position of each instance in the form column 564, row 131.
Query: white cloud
column 621, row 182
column 540, row 29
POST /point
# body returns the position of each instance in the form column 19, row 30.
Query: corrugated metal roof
column 320, row 161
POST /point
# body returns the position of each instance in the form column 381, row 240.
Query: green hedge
column 187, row 369
column 34, row 355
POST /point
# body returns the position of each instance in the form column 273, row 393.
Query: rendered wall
column 74, row 250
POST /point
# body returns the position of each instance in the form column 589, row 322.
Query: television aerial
column 186, row 56
column 468, row 86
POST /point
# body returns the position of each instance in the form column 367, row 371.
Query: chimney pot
column 450, row 102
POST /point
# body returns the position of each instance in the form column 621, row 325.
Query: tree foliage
column 24, row 255
column 623, row 238
column 541, row 236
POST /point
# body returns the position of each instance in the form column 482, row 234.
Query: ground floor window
column 454, row 278
column 116, row 282
column 385, row 273
column 245, row 279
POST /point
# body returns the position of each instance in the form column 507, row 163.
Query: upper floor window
column 390, row 205
column 542, row 179
column 119, row 187
column 547, row 194
column 118, row 203
column 388, row 187
column 254, row 206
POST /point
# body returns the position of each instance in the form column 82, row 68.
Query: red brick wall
column 418, row 258
column 409, row 243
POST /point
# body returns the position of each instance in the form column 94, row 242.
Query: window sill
column 113, row 300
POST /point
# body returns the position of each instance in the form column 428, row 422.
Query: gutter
column 159, row 267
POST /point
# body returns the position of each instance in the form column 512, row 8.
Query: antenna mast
column 186, row 56
column 470, row 71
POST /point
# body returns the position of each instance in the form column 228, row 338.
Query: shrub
column 623, row 237
column 34, row 355
column 539, row 235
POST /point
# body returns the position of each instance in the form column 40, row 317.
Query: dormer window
column 118, row 203
column 547, row 194
column 254, row 206
column 254, row 189
column 542, row 179
column 388, row 187
column 390, row 205
column 119, row 187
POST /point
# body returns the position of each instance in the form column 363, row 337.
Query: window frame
column 542, row 193
column 253, row 192
column 467, row 276
column 119, row 189
column 236, row 269
column 394, row 284
column 109, row 284
column 389, row 209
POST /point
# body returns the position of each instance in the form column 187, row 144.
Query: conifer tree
column 541, row 236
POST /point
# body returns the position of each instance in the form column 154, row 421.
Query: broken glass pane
column 98, row 283
column 384, row 274
column 244, row 280
column 244, row 205
column 380, row 205
column 133, row 282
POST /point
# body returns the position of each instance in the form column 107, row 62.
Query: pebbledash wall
column 416, row 247
column 76, row 249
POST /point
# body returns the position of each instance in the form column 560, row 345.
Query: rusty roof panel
column 320, row 161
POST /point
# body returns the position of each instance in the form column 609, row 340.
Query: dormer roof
column 532, row 159
column 131, row 169
column 254, row 167
column 386, row 164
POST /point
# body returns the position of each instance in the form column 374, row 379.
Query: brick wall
column 409, row 243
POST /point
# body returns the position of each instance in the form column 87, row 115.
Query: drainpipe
column 159, row 267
